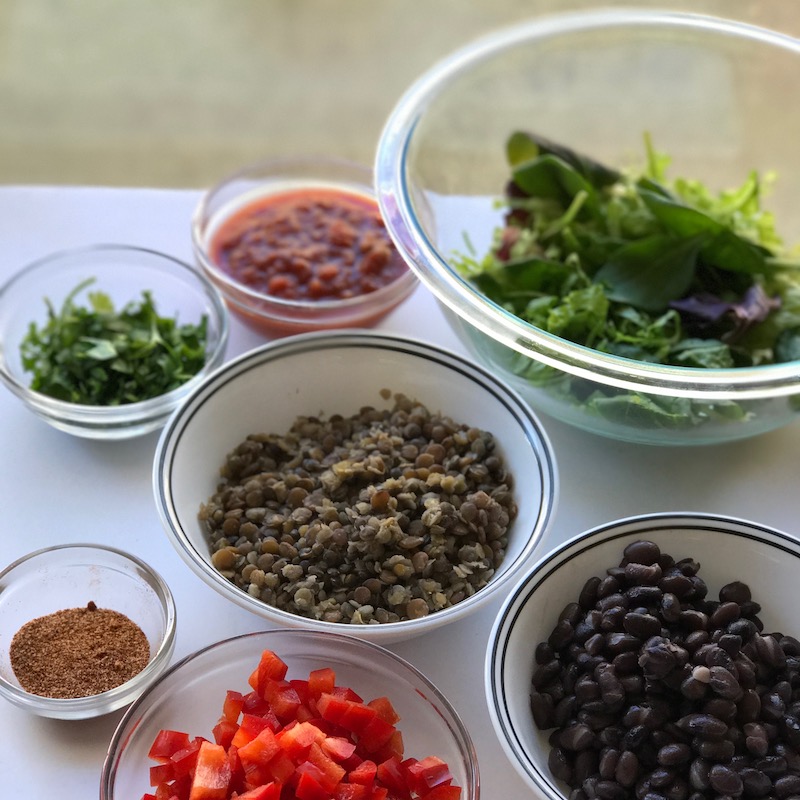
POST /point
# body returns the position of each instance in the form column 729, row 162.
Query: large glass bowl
column 717, row 96
column 189, row 698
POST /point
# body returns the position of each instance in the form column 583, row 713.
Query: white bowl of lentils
column 356, row 482
column 657, row 656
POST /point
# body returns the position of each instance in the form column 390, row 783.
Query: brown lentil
column 78, row 652
column 382, row 516
column 706, row 706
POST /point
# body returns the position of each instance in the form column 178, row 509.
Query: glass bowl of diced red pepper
column 285, row 714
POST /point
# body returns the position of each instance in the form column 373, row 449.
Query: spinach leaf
column 650, row 273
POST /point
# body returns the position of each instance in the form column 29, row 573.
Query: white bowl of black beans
column 654, row 657
column 356, row 482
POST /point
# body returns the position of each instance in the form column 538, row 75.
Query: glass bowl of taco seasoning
column 299, row 244
column 84, row 628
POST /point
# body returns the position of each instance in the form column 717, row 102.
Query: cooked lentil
column 382, row 516
column 654, row 691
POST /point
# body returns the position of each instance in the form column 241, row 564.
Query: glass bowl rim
column 78, row 707
column 394, row 197
column 236, row 292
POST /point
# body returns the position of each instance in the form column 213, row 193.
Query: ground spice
column 78, row 652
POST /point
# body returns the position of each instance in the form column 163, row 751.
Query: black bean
column 635, row 736
column 772, row 707
column 576, row 737
column 608, row 587
column 725, row 684
column 622, row 642
column 774, row 766
column 735, row 592
column 565, row 710
column 610, row 790
column 672, row 754
column 755, row 783
column 643, row 574
column 744, row 628
column 704, row 725
column 559, row 765
column 724, row 614
column 730, row 644
column 627, row 770
column 542, row 708
column 642, row 552
column 609, row 757
column 642, row 625
column 588, row 594
column 698, row 774
column 670, row 607
column 561, row 635
column 544, row 653
column 714, row 749
column 790, row 645
column 694, row 620
column 688, row 566
column 571, row 613
column 790, row 728
column 770, row 650
column 545, row 673
column 585, row 765
column 625, row 663
column 787, row 786
column 661, row 777
column 676, row 584
column 725, row 781
column 647, row 596
column 611, row 689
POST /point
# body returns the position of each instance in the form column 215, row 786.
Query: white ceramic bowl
column 70, row 576
column 122, row 272
column 727, row 549
column 338, row 373
column 189, row 698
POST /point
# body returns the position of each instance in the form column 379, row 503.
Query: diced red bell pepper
column 351, row 791
column 281, row 768
column 357, row 717
column 250, row 726
column 331, row 771
column 379, row 793
column 385, row 710
column 166, row 743
column 392, row 775
column 427, row 773
column 282, row 698
column 258, row 752
column 309, row 788
column 338, row 747
column 224, row 731
column 270, row 667
column 233, row 705
column 448, row 792
column 184, row 761
column 296, row 740
column 346, row 693
column 392, row 749
column 162, row 773
column 331, row 707
column 268, row 791
column 212, row 774
column 364, row 773
column 321, row 681
column 254, row 703
column 376, row 734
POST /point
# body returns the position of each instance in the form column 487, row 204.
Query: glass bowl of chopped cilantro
column 603, row 203
column 104, row 341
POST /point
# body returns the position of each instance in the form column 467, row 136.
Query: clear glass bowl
column 276, row 316
column 716, row 95
column 189, row 698
column 340, row 372
column 70, row 576
column 123, row 272
column 727, row 549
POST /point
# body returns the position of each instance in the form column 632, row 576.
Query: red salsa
column 308, row 244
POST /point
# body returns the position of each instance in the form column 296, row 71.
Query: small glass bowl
column 189, row 698
column 727, row 549
column 70, row 576
column 123, row 272
column 595, row 81
column 275, row 316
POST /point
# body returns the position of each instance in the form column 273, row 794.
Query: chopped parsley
column 100, row 356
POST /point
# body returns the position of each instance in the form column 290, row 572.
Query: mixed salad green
column 640, row 266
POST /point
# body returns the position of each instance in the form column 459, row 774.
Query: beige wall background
column 180, row 92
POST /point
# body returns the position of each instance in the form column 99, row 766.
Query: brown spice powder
column 78, row 652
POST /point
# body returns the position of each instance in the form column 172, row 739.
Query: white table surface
column 102, row 492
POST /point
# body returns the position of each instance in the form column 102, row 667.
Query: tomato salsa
column 311, row 243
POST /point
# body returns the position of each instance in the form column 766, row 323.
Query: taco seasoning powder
column 78, row 652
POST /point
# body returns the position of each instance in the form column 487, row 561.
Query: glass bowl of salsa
column 299, row 244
